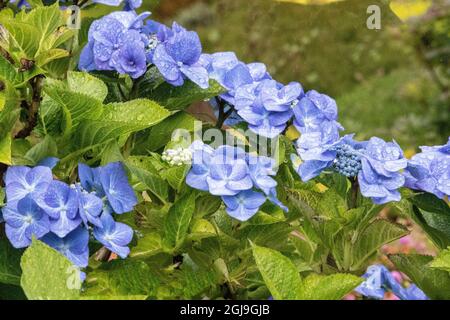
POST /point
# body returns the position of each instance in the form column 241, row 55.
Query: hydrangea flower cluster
column 177, row 157
column 117, row 42
column 244, row 181
column 430, row 170
column 379, row 280
column 265, row 104
column 62, row 215
column 375, row 163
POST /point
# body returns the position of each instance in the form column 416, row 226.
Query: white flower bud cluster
column 178, row 156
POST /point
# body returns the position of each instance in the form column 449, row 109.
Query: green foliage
column 37, row 35
column 10, row 271
column 352, row 236
column 48, row 275
column 284, row 282
column 434, row 282
column 431, row 214
column 442, row 261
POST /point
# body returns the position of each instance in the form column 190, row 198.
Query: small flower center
column 347, row 162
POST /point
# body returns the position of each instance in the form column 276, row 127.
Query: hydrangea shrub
column 107, row 179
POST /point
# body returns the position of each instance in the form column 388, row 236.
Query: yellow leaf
column 5, row 150
column 292, row 133
column 407, row 9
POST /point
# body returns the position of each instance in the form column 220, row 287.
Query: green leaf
column 434, row 282
column 195, row 282
column 179, row 98
column 50, row 55
column 442, row 261
column 332, row 287
column 177, row 221
column 207, row 204
column 119, row 119
column 5, row 150
column 175, row 176
column 147, row 246
column 145, row 172
column 9, row 262
column 431, row 214
column 121, row 278
column 47, row 275
column 45, row 148
column 36, row 35
column 87, row 84
column 430, row 203
column 76, row 106
column 46, row 20
column 158, row 135
column 377, row 234
column 23, row 37
column 279, row 273
column 201, row 229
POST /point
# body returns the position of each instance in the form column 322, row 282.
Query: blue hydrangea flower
column 430, row 170
column 130, row 59
column 114, row 3
column 118, row 191
column 114, row 235
column 379, row 280
column 109, row 181
column 279, row 98
column 232, row 74
column 60, row 203
column 116, row 42
column 129, row 4
column 201, row 158
column 22, row 181
column 313, row 110
column 380, row 178
column 317, row 150
column 74, row 246
column 263, row 122
column 244, row 205
column 228, row 176
column 261, row 169
column 266, row 105
column 132, row 4
column 178, row 56
column 90, row 207
column 24, row 220
column 236, row 176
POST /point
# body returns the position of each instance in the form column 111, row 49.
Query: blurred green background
column 392, row 82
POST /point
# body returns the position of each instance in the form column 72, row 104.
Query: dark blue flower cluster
column 378, row 280
column 62, row 215
column 430, row 170
column 244, row 181
column 376, row 163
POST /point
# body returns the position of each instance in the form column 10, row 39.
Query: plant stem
column 3, row 168
column 33, row 108
column 222, row 114
column 103, row 254
column 354, row 193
